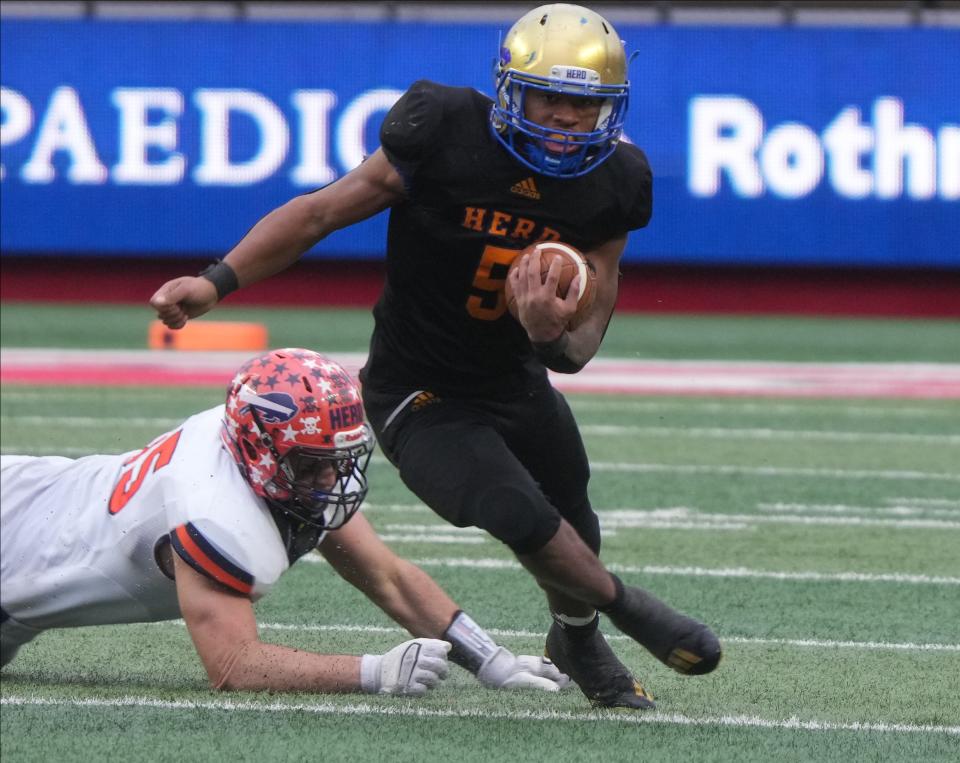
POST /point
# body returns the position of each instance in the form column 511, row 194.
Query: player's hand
column 541, row 312
column 407, row 670
column 505, row 670
column 183, row 298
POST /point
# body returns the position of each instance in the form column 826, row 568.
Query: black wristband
column 222, row 276
column 553, row 355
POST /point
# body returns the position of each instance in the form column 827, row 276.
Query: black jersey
column 441, row 322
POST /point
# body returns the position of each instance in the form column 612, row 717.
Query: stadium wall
column 799, row 169
column 920, row 293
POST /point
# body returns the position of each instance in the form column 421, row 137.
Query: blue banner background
column 798, row 75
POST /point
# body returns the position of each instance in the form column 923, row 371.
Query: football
column 573, row 262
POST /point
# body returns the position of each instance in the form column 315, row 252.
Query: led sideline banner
column 770, row 146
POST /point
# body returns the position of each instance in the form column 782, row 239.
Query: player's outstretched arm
column 280, row 239
column 224, row 631
column 415, row 601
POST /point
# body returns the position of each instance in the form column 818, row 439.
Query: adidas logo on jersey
column 526, row 188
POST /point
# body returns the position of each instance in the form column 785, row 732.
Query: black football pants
column 511, row 467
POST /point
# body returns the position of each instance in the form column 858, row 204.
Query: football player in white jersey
column 202, row 522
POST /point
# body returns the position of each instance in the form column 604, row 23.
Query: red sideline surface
column 657, row 289
column 933, row 381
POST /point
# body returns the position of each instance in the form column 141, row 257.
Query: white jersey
column 80, row 537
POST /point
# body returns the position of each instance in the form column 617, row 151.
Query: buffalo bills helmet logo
column 272, row 407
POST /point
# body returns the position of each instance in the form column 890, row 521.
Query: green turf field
column 821, row 539
column 629, row 335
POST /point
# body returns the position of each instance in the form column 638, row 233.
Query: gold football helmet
column 566, row 49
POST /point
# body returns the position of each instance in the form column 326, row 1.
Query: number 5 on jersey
column 486, row 301
column 153, row 457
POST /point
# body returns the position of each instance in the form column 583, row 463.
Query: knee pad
column 518, row 516
column 467, row 475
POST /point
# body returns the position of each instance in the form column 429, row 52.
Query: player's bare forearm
column 277, row 241
column 399, row 588
column 409, row 669
column 280, row 238
column 584, row 342
column 224, row 632
column 414, row 600
column 272, row 245
column 257, row 666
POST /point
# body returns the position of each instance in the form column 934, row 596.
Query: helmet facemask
column 566, row 50
column 579, row 152
column 322, row 487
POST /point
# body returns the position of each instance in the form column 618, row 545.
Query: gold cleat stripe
column 688, row 656
column 683, row 660
column 641, row 692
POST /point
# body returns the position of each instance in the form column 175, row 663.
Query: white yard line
column 613, row 404
column 774, row 471
column 433, row 533
column 506, row 633
column 743, row 572
column 91, row 422
column 43, row 394
column 412, row 528
column 70, row 451
column 829, row 644
column 608, row 466
column 430, row 538
column 699, row 572
column 724, row 433
column 610, row 528
column 680, row 517
column 845, row 509
column 685, row 518
column 111, row 422
column 944, row 502
column 636, row 518
column 402, row 508
column 617, row 405
column 406, row 710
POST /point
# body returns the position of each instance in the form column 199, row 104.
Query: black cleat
column 584, row 655
column 678, row 641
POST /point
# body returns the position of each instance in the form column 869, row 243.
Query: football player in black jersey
column 455, row 388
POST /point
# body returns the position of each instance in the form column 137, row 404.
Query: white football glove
column 505, row 670
column 407, row 670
